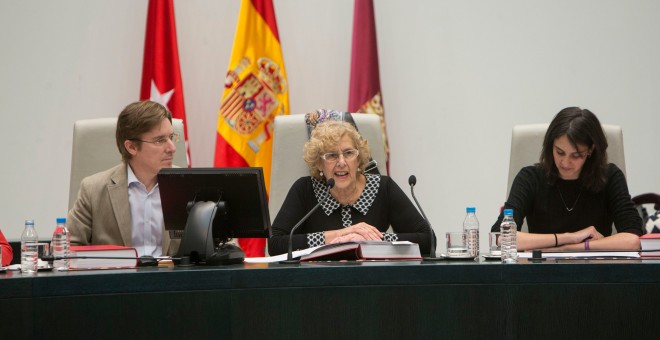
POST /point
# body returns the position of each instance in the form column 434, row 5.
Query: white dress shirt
column 146, row 217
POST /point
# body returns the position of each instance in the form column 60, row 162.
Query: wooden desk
column 371, row 300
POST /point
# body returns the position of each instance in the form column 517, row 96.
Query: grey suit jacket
column 101, row 214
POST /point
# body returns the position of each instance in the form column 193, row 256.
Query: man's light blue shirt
column 146, row 217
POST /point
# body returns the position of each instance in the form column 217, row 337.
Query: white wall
column 456, row 75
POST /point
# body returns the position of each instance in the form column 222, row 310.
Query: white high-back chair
column 289, row 136
column 94, row 150
column 527, row 142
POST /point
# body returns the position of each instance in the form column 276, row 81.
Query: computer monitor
column 208, row 206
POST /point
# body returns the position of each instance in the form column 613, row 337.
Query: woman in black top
column 572, row 197
column 360, row 206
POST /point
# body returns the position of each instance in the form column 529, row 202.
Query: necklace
column 574, row 204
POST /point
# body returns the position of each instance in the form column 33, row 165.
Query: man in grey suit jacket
column 121, row 205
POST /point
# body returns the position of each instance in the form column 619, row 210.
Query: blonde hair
column 326, row 136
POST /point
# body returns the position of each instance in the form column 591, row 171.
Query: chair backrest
column 527, row 142
column 94, row 150
column 289, row 136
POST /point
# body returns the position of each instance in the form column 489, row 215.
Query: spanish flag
column 364, row 89
column 255, row 92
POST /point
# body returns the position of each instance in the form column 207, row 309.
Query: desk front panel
column 341, row 300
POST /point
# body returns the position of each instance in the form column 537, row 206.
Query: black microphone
column 412, row 180
column 289, row 258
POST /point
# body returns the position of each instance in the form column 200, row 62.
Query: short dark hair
column 138, row 118
column 580, row 126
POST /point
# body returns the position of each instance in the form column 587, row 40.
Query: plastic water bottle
column 29, row 248
column 508, row 238
column 60, row 244
column 471, row 229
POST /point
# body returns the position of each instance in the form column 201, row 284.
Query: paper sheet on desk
column 591, row 254
column 296, row 254
column 17, row 266
column 278, row 258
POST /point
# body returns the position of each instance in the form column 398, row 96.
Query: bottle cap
column 470, row 209
column 508, row 212
column 29, row 223
column 61, row 220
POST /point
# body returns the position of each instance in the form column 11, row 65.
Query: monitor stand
column 197, row 241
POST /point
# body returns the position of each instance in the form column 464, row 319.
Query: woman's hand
column 368, row 232
column 363, row 230
column 565, row 241
column 352, row 237
column 581, row 235
column 575, row 241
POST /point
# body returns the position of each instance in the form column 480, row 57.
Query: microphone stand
column 289, row 258
column 412, row 180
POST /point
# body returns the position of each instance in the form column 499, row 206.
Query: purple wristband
column 586, row 244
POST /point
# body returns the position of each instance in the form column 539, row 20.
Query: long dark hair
column 580, row 126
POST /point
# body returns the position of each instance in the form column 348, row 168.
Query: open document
column 363, row 250
column 281, row 257
column 584, row 255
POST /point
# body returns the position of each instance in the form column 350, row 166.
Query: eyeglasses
column 349, row 155
column 160, row 140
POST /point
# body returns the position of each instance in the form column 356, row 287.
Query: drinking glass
column 457, row 244
column 494, row 244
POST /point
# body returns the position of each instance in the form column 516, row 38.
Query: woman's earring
column 321, row 173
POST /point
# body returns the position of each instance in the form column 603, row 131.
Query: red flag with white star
column 161, row 74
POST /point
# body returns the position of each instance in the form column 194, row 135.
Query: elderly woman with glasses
column 358, row 207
